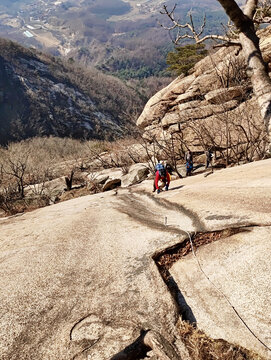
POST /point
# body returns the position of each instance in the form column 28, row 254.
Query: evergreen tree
column 185, row 57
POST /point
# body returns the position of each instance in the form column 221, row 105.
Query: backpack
column 162, row 172
column 169, row 169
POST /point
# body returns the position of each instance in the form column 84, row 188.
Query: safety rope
column 226, row 298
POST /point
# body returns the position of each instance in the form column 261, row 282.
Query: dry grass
column 40, row 160
column 201, row 347
column 16, row 206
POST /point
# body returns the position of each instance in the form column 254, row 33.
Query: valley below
column 114, row 36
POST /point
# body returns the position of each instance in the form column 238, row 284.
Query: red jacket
column 164, row 179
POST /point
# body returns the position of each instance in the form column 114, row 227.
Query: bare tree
column 193, row 34
column 15, row 168
column 234, row 135
column 244, row 21
column 68, row 180
column 167, row 148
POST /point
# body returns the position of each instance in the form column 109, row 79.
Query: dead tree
column 68, row 180
column 166, row 148
column 16, row 169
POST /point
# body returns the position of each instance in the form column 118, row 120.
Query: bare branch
column 194, row 34
column 222, row 38
column 266, row 20
column 203, row 25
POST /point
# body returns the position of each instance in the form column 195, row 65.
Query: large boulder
column 111, row 184
column 111, row 178
column 52, row 188
column 98, row 179
column 102, row 175
column 136, row 174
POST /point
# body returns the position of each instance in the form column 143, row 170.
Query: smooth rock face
column 78, row 278
column 239, row 269
column 239, row 265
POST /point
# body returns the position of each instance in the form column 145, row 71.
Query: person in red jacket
column 163, row 176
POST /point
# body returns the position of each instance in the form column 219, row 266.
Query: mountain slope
column 41, row 95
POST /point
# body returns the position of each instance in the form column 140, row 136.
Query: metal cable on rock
column 225, row 297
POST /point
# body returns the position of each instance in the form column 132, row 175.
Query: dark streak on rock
column 77, row 323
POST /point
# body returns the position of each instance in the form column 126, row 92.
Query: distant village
column 31, row 16
column 32, row 22
column 35, row 23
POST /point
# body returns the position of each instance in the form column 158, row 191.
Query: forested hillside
column 137, row 47
column 42, row 95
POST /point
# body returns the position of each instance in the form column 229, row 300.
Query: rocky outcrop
column 112, row 178
column 224, row 95
column 111, row 184
column 51, row 189
column 96, row 181
column 217, row 85
column 137, row 173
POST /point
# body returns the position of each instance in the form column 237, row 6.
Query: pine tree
column 185, row 57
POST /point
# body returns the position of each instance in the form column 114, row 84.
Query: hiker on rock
column 169, row 169
column 209, row 157
column 163, row 176
column 189, row 163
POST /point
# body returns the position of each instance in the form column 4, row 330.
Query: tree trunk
column 69, row 181
column 256, row 67
column 22, row 187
